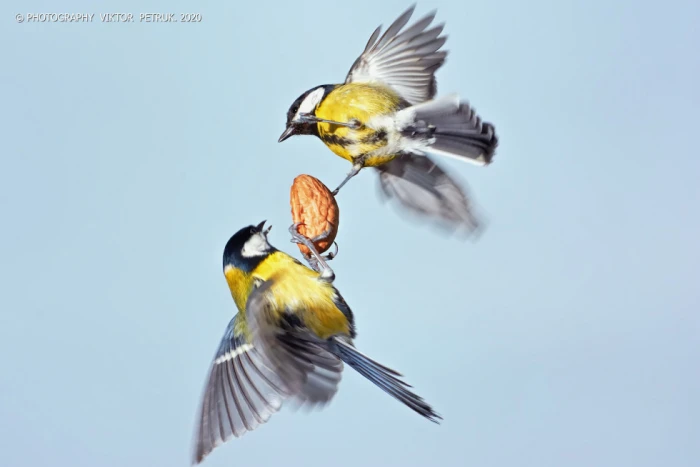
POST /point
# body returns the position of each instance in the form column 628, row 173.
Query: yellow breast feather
column 297, row 290
column 356, row 101
column 239, row 283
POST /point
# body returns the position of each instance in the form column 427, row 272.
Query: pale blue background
column 567, row 336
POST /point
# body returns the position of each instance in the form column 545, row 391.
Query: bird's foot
column 356, row 167
column 319, row 262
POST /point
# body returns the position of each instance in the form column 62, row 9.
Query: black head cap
column 247, row 247
column 299, row 127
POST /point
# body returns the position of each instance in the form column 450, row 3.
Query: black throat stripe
column 336, row 140
column 373, row 138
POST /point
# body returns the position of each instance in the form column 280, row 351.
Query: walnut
column 315, row 208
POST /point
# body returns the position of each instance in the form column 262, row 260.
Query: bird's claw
column 294, row 230
column 322, row 236
column 332, row 255
column 317, row 261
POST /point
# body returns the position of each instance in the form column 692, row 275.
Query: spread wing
column 422, row 187
column 241, row 393
column 260, row 363
column 405, row 61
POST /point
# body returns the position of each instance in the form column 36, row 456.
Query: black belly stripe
column 375, row 138
column 336, row 140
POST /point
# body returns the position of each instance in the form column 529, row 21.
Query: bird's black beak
column 260, row 227
column 290, row 131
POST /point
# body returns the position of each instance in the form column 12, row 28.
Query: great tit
column 289, row 340
column 385, row 115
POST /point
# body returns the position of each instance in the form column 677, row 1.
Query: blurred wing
column 424, row 188
column 311, row 372
column 241, row 393
column 405, row 61
column 324, row 368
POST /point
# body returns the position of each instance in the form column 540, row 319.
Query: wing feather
column 310, row 371
column 405, row 61
column 241, row 393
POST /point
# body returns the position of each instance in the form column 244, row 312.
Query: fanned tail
column 454, row 128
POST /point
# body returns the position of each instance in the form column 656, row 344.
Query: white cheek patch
column 256, row 246
column 310, row 102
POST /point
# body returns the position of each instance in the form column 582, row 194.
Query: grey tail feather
column 456, row 128
column 382, row 376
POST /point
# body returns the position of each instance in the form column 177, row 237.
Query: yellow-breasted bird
column 385, row 115
column 289, row 340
